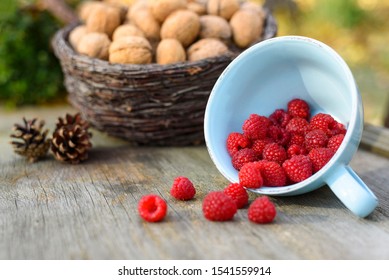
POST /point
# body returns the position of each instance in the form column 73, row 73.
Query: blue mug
column 264, row 78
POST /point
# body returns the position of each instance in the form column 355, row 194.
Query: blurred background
column 357, row 29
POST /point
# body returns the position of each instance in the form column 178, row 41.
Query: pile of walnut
column 165, row 31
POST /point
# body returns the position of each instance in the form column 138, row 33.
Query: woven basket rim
column 66, row 50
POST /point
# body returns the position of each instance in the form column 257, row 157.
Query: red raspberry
column 280, row 118
column 274, row 152
column 236, row 141
column 299, row 108
column 250, row 175
column 218, row 206
column 259, row 145
column 315, row 139
column 242, row 157
column 238, row 193
column 319, row 157
column 297, row 125
column 296, row 138
column 255, row 127
column 324, row 122
column 261, row 211
column 182, row 189
column 335, row 141
column 272, row 173
column 152, row 208
column 279, row 135
column 339, row 129
column 295, row 150
column 298, row 168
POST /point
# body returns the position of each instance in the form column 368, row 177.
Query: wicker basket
column 151, row 104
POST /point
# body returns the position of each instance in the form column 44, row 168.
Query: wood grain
column 50, row 210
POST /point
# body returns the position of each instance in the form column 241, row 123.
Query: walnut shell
column 76, row 34
column 257, row 8
column 247, row 27
column 205, row 48
column 146, row 22
column 94, row 44
column 215, row 27
column 104, row 19
column 127, row 30
column 183, row 25
column 162, row 8
column 223, row 8
column 85, row 8
column 170, row 51
column 130, row 50
column 198, row 8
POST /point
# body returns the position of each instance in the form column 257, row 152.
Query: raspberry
column 250, row 175
column 182, row 189
column 279, row 135
column 296, row 138
column 295, row 150
column 238, row 193
column 261, row 211
column 218, row 206
column 335, row 141
column 315, row 139
column 152, row 208
column 299, row 108
column 236, row 141
column 298, row 168
column 255, row 127
column 339, row 129
column 297, row 125
column 319, row 157
column 272, row 173
column 274, row 152
column 324, row 122
column 259, row 145
column 280, row 118
column 242, row 157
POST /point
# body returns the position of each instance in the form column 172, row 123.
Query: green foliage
column 345, row 13
column 29, row 71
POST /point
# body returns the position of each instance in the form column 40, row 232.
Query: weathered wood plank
column 50, row 210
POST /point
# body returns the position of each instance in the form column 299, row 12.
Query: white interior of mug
column 268, row 75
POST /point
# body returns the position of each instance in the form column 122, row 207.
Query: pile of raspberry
column 218, row 206
column 284, row 148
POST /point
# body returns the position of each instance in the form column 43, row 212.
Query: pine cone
column 33, row 144
column 71, row 139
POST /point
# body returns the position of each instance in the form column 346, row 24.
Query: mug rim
column 337, row 158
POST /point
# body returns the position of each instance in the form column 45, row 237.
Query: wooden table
column 51, row 210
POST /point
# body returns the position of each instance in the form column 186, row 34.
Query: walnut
column 85, row 8
column 135, row 7
column 104, row 19
column 76, row 34
column 162, row 8
column 146, row 22
column 254, row 7
column 223, row 8
column 205, row 48
column 170, row 51
column 214, row 27
column 127, row 30
column 246, row 27
column 198, row 8
column 130, row 50
column 183, row 25
column 94, row 44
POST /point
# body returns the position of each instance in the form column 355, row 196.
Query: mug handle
column 352, row 191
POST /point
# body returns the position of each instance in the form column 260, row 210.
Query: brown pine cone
column 71, row 139
column 33, row 144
